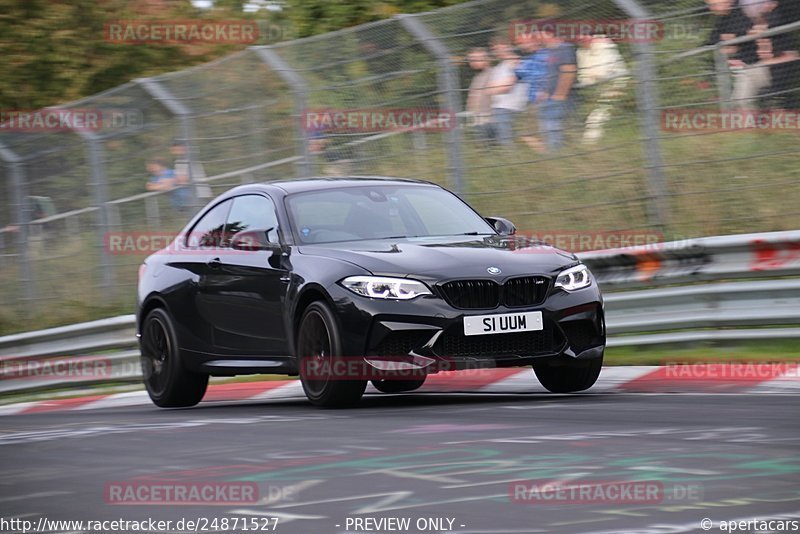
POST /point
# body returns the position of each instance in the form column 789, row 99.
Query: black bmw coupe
column 349, row 280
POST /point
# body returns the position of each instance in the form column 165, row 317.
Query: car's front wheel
column 318, row 348
column 169, row 384
column 397, row 386
column 567, row 376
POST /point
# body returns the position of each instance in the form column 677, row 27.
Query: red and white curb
column 753, row 378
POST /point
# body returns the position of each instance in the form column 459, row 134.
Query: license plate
column 478, row 325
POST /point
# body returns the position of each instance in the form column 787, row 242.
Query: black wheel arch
column 153, row 301
column 309, row 293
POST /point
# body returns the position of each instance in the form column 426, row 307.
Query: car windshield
column 381, row 212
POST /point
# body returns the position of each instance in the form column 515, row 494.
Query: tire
column 169, row 384
column 567, row 376
column 318, row 338
column 397, row 386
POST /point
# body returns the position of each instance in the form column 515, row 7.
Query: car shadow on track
column 403, row 401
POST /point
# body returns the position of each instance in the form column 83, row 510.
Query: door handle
column 214, row 264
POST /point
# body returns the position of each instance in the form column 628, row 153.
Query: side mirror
column 254, row 240
column 502, row 226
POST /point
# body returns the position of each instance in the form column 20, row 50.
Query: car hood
column 443, row 258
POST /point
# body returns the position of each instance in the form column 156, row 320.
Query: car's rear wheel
column 318, row 347
column 566, row 376
column 397, row 386
column 168, row 382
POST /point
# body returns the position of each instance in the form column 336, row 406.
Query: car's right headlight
column 384, row 287
column 574, row 278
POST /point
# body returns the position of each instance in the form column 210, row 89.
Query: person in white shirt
column 478, row 97
column 509, row 96
column 600, row 67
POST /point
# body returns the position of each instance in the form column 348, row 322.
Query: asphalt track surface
column 428, row 457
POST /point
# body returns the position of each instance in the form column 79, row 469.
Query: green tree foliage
column 312, row 17
column 53, row 52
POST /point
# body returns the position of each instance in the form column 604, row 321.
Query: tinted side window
column 207, row 233
column 252, row 212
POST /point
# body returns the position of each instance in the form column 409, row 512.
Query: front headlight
column 574, row 278
column 381, row 287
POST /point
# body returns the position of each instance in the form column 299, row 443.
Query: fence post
column 179, row 110
column 449, row 87
column 18, row 194
column 152, row 213
column 99, row 185
column 724, row 79
column 299, row 88
column 649, row 117
column 256, row 141
column 187, row 132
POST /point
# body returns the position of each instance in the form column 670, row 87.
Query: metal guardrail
column 707, row 312
column 712, row 304
column 39, row 360
column 712, row 259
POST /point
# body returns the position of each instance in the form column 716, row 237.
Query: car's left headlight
column 383, row 287
column 574, row 278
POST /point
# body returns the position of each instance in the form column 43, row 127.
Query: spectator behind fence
column 602, row 77
column 180, row 152
column 532, row 71
column 554, row 100
column 509, row 96
column 479, row 100
column 163, row 178
column 730, row 23
column 790, row 13
column 777, row 55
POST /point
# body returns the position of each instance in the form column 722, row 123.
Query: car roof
column 281, row 188
column 327, row 182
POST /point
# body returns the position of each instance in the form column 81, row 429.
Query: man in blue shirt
column 532, row 71
column 554, row 96
column 163, row 178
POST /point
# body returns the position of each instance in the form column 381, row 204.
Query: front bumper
column 428, row 333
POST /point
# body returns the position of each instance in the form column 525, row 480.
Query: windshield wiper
column 474, row 233
column 432, row 235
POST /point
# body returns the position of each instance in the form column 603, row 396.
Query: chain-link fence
column 607, row 115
